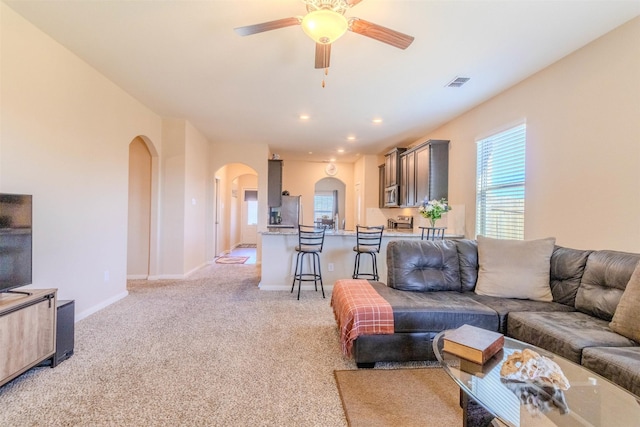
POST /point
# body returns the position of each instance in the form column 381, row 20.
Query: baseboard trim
column 177, row 276
column 88, row 312
column 137, row 277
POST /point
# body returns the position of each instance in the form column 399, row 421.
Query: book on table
column 472, row 343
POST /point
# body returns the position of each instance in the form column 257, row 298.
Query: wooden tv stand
column 27, row 331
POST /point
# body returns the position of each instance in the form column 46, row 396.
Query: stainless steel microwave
column 392, row 196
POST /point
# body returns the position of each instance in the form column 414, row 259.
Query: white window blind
column 500, row 184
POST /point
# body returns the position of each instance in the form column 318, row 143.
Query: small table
column 591, row 400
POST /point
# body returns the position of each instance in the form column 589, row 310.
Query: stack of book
column 472, row 343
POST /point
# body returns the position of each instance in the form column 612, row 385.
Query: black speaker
column 64, row 331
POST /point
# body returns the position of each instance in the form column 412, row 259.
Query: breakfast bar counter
column 336, row 260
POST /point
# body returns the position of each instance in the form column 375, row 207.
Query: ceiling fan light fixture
column 324, row 26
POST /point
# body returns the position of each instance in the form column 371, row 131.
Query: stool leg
column 315, row 260
column 295, row 272
column 300, row 278
column 320, row 275
column 374, row 263
column 356, row 266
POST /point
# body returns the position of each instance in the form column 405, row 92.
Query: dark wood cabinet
column 274, row 184
column 381, row 182
column 407, row 178
column 392, row 177
column 391, row 167
column 438, row 172
column 424, row 173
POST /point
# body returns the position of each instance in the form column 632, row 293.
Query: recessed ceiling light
column 304, row 117
column 333, row 159
column 376, row 121
column 351, row 138
column 340, row 150
column 310, row 152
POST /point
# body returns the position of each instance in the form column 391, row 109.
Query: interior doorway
column 249, row 217
column 235, row 219
column 329, row 202
column 142, row 216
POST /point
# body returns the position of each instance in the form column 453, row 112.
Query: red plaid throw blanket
column 359, row 310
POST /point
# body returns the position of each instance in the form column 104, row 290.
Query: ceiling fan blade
column 323, row 55
column 353, row 2
column 266, row 26
column 380, row 33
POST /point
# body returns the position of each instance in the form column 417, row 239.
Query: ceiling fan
column 325, row 23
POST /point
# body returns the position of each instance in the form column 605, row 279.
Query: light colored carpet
column 399, row 397
column 212, row 350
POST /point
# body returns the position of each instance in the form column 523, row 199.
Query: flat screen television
column 15, row 240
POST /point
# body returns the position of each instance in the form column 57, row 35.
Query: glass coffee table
column 591, row 399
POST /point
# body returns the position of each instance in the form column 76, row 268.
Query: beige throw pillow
column 626, row 319
column 515, row 268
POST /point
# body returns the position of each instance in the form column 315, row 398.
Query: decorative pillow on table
column 515, row 268
column 627, row 316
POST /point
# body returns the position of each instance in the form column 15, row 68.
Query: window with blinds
column 500, row 184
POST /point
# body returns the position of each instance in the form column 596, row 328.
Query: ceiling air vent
column 458, row 81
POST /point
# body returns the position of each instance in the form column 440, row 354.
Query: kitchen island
column 336, row 260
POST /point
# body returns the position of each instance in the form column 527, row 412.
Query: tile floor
column 250, row 252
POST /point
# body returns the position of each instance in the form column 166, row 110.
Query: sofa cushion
column 435, row 311
column 514, row 268
column 567, row 268
column 423, row 265
column 605, row 277
column 504, row 306
column 565, row 334
column 619, row 364
column 626, row 319
column 468, row 258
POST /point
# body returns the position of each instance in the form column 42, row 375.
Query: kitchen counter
column 336, row 260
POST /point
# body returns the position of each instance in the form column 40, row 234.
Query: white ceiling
column 182, row 59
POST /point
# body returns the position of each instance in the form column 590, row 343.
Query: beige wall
column 583, row 145
column 195, row 198
column 65, row 134
column 300, row 178
column 185, row 174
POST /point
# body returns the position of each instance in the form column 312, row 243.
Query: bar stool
column 433, row 233
column 368, row 240
column 310, row 242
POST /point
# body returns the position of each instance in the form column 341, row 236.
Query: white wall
column 64, row 137
column 583, row 145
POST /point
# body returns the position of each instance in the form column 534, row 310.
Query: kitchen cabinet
column 381, row 187
column 424, row 173
column 274, row 183
column 391, row 167
column 392, row 177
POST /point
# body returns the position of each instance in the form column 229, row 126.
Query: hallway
column 245, row 251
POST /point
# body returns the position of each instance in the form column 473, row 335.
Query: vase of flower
column 433, row 210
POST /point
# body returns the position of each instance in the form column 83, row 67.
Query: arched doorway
column 142, row 217
column 235, row 207
column 329, row 201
